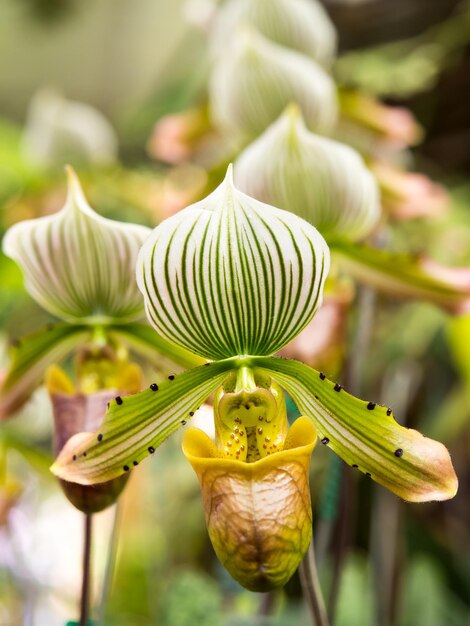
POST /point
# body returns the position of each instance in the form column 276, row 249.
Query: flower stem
column 311, row 588
column 110, row 564
column 86, row 577
column 352, row 378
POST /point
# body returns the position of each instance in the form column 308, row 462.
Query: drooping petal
column 404, row 275
column 366, row 435
column 135, row 426
column 302, row 25
column 30, row 359
column 321, row 180
column 77, row 264
column 258, row 514
column 255, row 79
column 232, row 276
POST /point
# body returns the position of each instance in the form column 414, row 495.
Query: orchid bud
column 78, row 265
column 258, row 514
column 302, row 25
column 318, row 179
column 255, row 79
column 232, row 276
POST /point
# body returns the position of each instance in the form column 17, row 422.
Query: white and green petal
column 77, row 264
column 134, row 426
column 255, row 79
column 366, row 435
column 405, row 275
column 30, row 358
column 232, row 276
column 321, row 180
column 302, row 25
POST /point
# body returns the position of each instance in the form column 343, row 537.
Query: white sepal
column 302, row 25
column 232, row 276
column 77, row 264
column 321, row 180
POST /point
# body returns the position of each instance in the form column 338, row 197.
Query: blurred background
column 112, row 69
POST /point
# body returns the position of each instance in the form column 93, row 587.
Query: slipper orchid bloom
column 234, row 280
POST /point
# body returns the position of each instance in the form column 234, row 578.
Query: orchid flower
column 328, row 184
column 80, row 268
column 234, row 280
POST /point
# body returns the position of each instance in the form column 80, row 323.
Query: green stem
column 86, row 576
column 353, row 370
column 311, row 588
column 110, row 564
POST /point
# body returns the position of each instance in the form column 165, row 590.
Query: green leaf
column 77, row 264
column 366, row 435
column 30, row 359
column 402, row 275
column 232, row 276
column 134, row 426
column 143, row 339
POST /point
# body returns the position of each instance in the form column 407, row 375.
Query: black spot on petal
column 118, row 399
column 355, row 466
column 126, row 468
column 135, row 463
column 322, row 376
column 191, row 413
column 325, row 440
column 154, row 387
column 151, row 449
column 184, row 422
column 337, row 387
column 398, row 452
column 389, row 411
column 74, row 458
column 100, row 437
column 171, row 377
column 371, row 406
column 368, row 473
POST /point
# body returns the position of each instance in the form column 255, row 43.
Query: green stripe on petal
column 400, row 274
column 77, row 264
column 30, row 359
column 135, row 426
column 367, row 436
column 232, row 276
